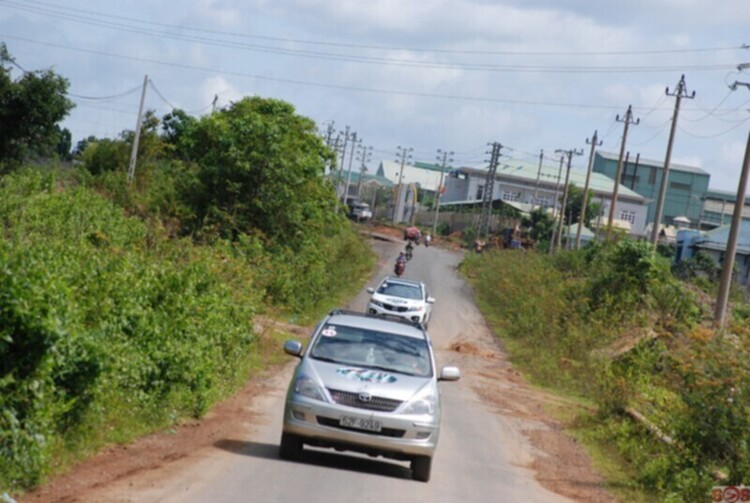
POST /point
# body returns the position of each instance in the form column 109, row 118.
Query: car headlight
column 309, row 388
column 416, row 308
column 377, row 303
column 422, row 405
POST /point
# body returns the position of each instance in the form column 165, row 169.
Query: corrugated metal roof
column 656, row 164
column 427, row 177
column 599, row 183
column 717, row 239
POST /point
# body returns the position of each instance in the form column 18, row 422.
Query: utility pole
column 404, row 155
column 137, row 137
column 340, row 176
column 635, row 171
column 214, row 102
column 594, row 142
column 489, row 191
column 538, row 176
column 355, row 144
column 554, row 206
column 734, row 231
column 365, row 154
column 444, row 160
column 570, row 153
column 680, row 92
column 627, row 120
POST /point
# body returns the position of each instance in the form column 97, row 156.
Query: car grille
column 353, row 400
column 398, row 309
column 385, row 432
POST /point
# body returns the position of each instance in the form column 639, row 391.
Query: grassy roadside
column 111, row 328
column 615, row 330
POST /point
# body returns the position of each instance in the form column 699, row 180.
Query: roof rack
column 384, row 316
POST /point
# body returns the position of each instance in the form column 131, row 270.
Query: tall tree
column 260, row 168
column 31, row 107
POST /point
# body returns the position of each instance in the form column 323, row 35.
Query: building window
column 542, row 201
column 511, row 196
column 628, row 216
column 652, row 176
column 480, row 191
column 679, row 186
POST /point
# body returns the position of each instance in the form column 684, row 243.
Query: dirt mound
column 469, row 348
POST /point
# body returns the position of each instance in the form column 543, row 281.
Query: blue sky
column 427, row 74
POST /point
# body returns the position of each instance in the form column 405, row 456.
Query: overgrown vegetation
column 125, row 308
column 613, row 325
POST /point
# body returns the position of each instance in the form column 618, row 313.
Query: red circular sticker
column 745, row 494
column 731, row 494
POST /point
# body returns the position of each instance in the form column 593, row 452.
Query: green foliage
column 32, row 106
column 260, row 167
column 575, row 205
column 444, row 229
column 96, row 321
column 571, row 321
column 101, row 156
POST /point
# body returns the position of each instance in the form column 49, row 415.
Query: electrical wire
column 714, row 135
column 400, row 62
column 66, row 9
column 111, row 97
column 160, row 95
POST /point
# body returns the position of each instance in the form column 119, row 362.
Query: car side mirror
column 430, row 300
column 370, row 289
column 293, row 348
column 449, row 374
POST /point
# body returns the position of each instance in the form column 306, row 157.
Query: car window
column 401, row 290
column 373, row 349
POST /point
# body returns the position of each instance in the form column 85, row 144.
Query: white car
column 401, row 297
column 365, row 384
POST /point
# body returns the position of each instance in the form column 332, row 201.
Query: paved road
column 481, row 456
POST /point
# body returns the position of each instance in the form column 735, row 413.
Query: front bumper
column 417, row 316
column 402, row 437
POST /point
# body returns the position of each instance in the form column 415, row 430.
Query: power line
column 110, row 97
column 713, row 135
column 66, row 9
column 399, row 62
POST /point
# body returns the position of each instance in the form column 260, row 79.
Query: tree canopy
column 31, row 106
column 259, row 166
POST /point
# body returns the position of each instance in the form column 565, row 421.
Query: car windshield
column 401, row 290
column 368, row 348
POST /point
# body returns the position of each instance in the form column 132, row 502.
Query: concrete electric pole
column 489, row 191
column 538, row 176
column 679, row 93
column 734, row 231
column 627, row 120
column 444, row 159
column 404, row 154
column 137, row 136
column 594, row 142
column 570, row 153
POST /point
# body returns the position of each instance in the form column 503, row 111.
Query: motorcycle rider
column 400, row 264
column 427, row 239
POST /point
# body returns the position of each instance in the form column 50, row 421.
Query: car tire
column 420, row 468
column 291, row 446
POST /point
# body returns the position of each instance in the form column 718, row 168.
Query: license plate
column 360, row 423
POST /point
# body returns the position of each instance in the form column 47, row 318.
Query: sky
column 454, row 75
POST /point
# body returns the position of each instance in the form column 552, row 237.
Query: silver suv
column 366, row 384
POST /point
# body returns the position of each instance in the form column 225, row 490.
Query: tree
column 31, row 107
column 573, row 206
column 260, row 167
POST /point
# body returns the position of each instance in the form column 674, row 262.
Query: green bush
column 99, row 328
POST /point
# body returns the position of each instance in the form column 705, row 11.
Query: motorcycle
column 409, row 252
column 399, row 268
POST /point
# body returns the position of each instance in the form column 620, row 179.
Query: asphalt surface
column 481, row 456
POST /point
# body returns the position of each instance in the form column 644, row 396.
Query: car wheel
column 420, row 468
column 291, row 446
